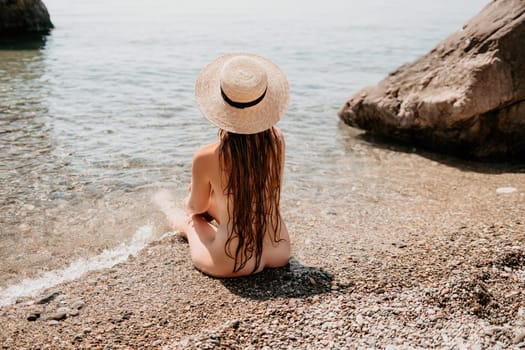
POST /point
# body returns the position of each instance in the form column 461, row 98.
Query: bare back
column 208, row 242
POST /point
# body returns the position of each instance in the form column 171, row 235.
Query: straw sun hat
column 242, row 93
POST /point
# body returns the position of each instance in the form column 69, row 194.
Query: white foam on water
column 108, row 258
column 504, row 190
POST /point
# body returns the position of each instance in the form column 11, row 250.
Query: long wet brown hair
column 252, row 168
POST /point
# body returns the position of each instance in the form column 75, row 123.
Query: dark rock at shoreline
column 48, row 298
column 23, row 17
column 466, row 96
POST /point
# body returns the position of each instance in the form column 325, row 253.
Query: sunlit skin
column 207, row 203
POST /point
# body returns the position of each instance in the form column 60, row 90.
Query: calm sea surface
column 102, row 114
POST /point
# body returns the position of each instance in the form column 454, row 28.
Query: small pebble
column 33, row 317
column 78, row 338
column 519, row 336
column 57, row 316
column 79, row 304
column 521, row 312
column 48, row 298
column 360, row 320
column 73, row 312
column 505, row 190
column 63, row 310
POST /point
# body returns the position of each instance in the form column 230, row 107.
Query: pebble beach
column 446, row 273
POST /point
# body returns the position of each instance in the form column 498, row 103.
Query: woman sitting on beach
column 236, row 181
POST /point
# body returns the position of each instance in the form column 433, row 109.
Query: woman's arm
column 200, row 188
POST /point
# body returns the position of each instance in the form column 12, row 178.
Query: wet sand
column 419, row 250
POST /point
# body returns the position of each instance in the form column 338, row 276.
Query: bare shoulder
column 206, row 153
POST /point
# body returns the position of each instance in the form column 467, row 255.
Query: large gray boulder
column 23, row 17
column 466, row 96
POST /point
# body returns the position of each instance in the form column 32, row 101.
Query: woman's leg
column 201, row 235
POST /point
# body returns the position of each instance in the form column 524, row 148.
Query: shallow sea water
column 101, row 115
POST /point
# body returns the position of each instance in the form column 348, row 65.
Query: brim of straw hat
column 250, row 120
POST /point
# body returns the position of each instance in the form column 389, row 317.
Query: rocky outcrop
column 466, row 96
column 23, row 17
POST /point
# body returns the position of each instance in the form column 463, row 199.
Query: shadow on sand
column 291, row 281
